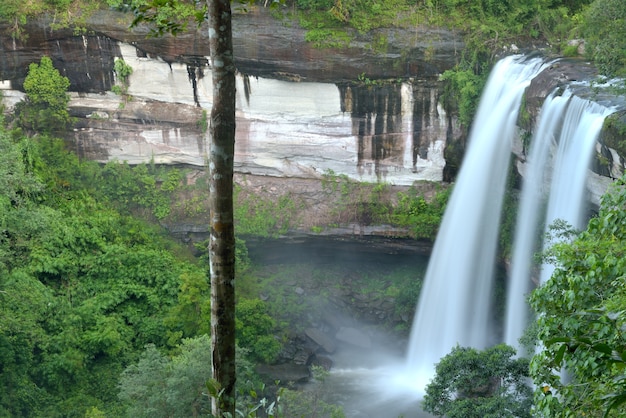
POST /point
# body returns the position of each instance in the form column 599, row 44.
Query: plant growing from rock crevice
column 123, row 72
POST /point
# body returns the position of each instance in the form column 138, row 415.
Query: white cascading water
column 581, row 126
column 534, row 192
column 455, row 299
column 570, row 125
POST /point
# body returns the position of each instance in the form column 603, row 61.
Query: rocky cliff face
column 301, row 111
column 608, row 163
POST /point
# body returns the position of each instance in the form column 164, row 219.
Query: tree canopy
column 45, row 107
column 83, row 288
column 471, row 383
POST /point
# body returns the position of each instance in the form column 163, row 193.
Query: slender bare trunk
column 222, row 237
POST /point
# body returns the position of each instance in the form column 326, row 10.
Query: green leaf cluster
column 261, row 216
column 123, row 71
column 581, row 318
column 65, row 12
column 471, row 383
column 85, row 286
column 45, row 106
column 462, row 89
column 143, row 188
column 256, row 330
column 375, row 204
column 169, row 387
column 604, row 30
column 421, row 215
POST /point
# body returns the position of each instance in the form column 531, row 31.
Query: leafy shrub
column 605, row 33
column 255, row 330
column 314, row 4
column 45, row 106
column 463, row 89
column 141, row 187
column 475, row 384
column 580, row 317
column 264, row 217
column 159, row 386
column 82, row 289
column 421, row 215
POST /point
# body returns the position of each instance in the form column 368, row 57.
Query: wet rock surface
column 263, row 45
column 559, row 74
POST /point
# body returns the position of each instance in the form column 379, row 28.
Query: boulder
column 324, row 340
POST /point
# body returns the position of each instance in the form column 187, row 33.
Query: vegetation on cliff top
column 488, row 25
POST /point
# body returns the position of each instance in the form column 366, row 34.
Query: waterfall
column 528, row 221
column 570, row 125
column 455, row 300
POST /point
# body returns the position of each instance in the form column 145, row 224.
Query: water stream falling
column 534, row 190
column 570, row 125
column 455, row 300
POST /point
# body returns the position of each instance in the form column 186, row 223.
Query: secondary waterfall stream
column 570, row 125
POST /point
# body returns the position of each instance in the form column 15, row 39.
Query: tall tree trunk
column 222, row 235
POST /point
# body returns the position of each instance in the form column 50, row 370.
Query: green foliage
column 203, row 123
column 179, row 385
column 363, row 203
column 45, row 85
column 191, row 315
column 169, row 16
column 94, row 412
column 82, row 288
column 477, row 384
column 144, row 187
column 463, row 87
column 18, row 184
column 367, row 204
column 362, row 15
column 314, row 4
column 265, row 217
column 123, row 71
column 580, row 318
column 423, row 216
column 66, row 13
column 159, row 386
column 45, row 106
column 328, row 38
column 614, row 131
column 255, row 330
column 605, row 33
column 23, row 305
